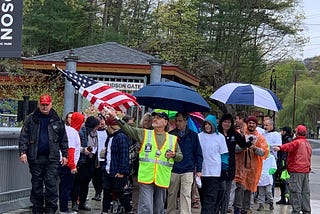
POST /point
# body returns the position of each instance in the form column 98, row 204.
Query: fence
column 15, row 178
column 8, row 120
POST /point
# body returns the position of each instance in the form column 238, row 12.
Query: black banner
column 10, row 28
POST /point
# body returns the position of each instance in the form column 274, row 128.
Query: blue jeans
column 151, row 199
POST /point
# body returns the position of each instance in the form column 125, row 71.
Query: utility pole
column 294, row 99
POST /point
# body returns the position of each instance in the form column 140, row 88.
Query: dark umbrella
column 171, row 96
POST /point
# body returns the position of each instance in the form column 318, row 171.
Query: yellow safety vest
column 154, row 167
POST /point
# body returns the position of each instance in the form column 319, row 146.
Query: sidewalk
column 279, row 209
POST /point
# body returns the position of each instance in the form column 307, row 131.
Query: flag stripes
column 98, row 93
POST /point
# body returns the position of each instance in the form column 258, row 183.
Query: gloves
column 272, row 171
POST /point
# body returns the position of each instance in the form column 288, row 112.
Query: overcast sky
column 312, row 28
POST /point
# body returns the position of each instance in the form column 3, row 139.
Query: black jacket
column 232, row 139
column 29, row 137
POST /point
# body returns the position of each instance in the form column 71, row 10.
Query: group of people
column 226, row 162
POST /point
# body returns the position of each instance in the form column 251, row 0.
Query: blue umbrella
column 247, row 94
column 171, row 96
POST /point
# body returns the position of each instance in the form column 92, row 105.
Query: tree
column 53, row 25
column 305, row 111
column 242, row 33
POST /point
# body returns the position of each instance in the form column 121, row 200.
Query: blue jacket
column 191, row 150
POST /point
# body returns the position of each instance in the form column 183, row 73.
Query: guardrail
column 15, row 178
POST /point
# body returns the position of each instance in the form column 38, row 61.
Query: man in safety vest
column 158, row 152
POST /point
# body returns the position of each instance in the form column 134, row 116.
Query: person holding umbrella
column 182, row 172
column 159, row 150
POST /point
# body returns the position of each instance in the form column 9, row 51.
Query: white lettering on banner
column 6, row 21
column 125, row 86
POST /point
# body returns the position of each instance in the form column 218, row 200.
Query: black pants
column 209, row 194
column 97, row 178
column 113, row 185
column 44, row 173
column 82, row 180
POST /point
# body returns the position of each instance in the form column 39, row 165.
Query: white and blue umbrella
column 247, row 94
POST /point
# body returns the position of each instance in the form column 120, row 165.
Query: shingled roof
column 109, row 52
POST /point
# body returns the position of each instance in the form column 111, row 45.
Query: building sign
column 10, row 28
column 125, row 86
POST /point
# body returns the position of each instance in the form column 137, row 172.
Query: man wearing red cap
column 42, row 137
column 299, row 167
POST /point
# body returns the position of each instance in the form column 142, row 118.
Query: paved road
column 279, row 209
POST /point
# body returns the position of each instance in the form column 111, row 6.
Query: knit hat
column 77, row 120
column 301, row 130
column 252, row 118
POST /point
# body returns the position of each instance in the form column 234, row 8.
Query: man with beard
column 249, row 166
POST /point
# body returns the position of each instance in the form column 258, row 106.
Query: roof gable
column 109, row 52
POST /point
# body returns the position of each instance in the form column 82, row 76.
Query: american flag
column 98, row 93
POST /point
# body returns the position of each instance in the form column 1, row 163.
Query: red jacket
column 299, row 155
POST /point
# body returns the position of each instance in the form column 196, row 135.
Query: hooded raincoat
column 249, row 162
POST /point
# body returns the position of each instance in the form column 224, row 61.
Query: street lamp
column 273, row 87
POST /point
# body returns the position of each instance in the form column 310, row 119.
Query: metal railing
column 15, row 178
column 8, row 120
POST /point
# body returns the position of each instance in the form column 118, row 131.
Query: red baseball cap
column 45, row 99
column 302, row 130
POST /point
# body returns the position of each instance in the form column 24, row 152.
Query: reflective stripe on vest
column 154, row 167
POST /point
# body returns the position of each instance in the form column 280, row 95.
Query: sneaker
column 75, row 207
column 271, row 207
column 237, row 211
column 84, row 207
column 261, row 208
column 68, row 212
column 195, row 205
column 282, row 201
column 97, row 197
